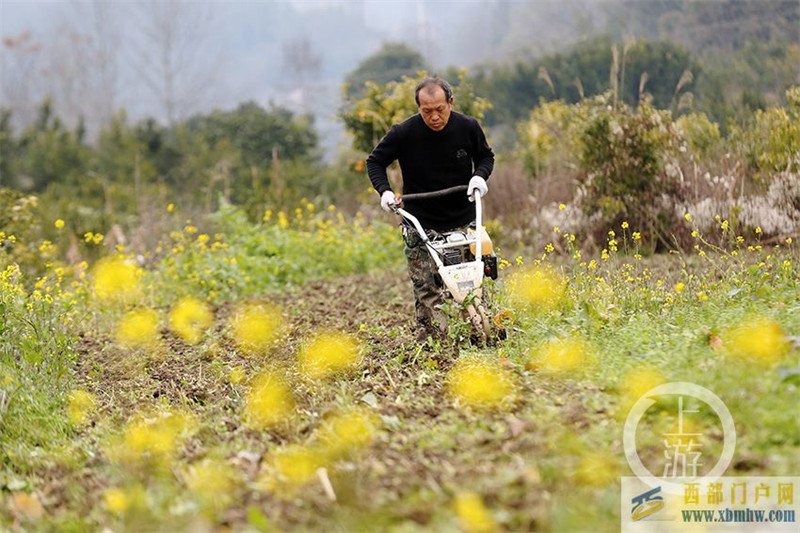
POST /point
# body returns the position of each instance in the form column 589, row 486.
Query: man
column 436, row 148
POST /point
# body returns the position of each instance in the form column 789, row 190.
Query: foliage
column 584, row 72
column 624, row 324
column 547, row 140
column 45, row 152
column 626, row 161
column 701, row 134
column 255, row 132
column 244, row 259
column 369, row 118
column 391, row 63
column 37, row 334
column 626, row 157
column 771, row 140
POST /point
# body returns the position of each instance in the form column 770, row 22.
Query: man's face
column 434, row 107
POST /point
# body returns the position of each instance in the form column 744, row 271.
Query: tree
column 173, row 55
column 47, row 152
column 391, row 63
column 20, row 62
column 584, row 72
column 369, row 118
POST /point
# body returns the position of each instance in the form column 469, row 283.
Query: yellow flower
column 538, row 290
column 190, row 229
column 637, row 236
column 212, row 482
column 759, row 340
column 478, row 382
column 282, row 220
column 702, row 296
column 328, row 354
column 59, row 224
column 758, row 230
column 81, row 406
column 115, row 279
column 624, row 225
column 189, row 319
column 348, row 431
column 116, row 500
column 561, row 207
column 636, row 384
column 292, row 467
column 472, row 513
column 138, row 328
column 562, row 356
column 255, row 327
column 170, row 207
column 153, row 440
column 596, row 469
column 679, row 287
column 688, row 217
column 119, row 501
column 269, row 401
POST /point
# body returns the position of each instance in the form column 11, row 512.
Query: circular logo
column 683, row 389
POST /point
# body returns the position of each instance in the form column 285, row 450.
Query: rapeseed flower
column 255, row 327
column 290, row 468
column 637, row 383
column 138, row 328
column 269, row 401
column 153, row 440
column 80, row 407
column 472, row 513
column 596, row 469
column 115, row 279
column 116, row 500
column 760, row 340
column 536, row 289
column 189, row 319
column 119, row 501
column 328, row 354
column 479, row 383
column 564, row 356
column 212, row 482
column 348, row 431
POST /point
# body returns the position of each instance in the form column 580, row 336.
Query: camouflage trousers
column 428, row 292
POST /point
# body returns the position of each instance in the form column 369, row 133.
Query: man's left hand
column 477, row 183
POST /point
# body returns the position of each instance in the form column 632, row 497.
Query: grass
column 156, row 436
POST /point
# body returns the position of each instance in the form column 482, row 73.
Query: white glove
column 388, row 201
column 477, row 183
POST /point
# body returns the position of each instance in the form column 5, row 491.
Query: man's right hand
column 388, row 201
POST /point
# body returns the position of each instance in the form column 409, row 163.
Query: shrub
column 631, row 167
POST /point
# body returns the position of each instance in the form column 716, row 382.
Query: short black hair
column 437, row 81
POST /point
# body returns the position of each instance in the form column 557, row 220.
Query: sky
column 235, row 51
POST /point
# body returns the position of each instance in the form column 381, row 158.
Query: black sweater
column 433, row 160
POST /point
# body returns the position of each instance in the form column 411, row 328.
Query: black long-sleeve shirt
column 433, row 160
